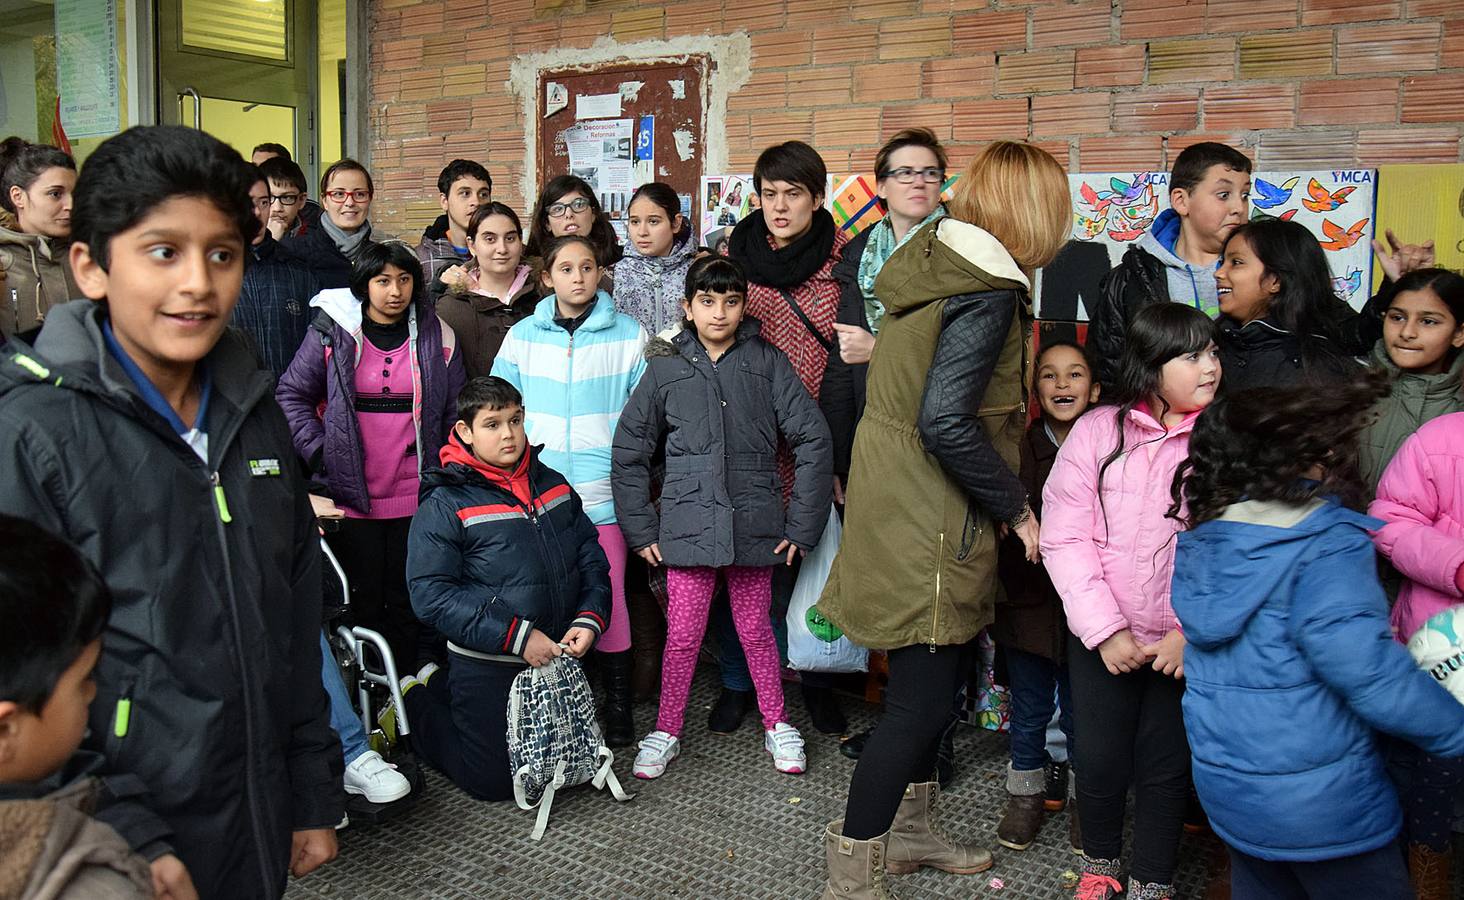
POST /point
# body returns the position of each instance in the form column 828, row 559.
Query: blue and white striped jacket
column 574, row 387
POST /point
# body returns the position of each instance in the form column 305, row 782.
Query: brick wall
column 1103, row 85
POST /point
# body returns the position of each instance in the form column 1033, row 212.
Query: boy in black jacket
column 141, row 430
column 503, row 561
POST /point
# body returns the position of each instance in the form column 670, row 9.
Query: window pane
column 247, row 27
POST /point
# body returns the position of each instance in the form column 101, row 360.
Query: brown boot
column 1430, row 871
column 916, row 840
column 1025, row 809
column 856, row 868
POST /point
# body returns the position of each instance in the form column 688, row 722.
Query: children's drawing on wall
column 854, row 201
column 726, row 200
column 1113, row 210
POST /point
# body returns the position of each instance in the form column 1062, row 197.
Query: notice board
column 622, row 124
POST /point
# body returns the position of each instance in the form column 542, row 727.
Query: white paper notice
column 678, row 88
column 683, row 140
column 87, row 76
column 556, row 97
column 630, row 91
column 597, row 106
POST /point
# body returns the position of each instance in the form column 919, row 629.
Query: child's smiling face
column 1065, row 386
column 171, row 282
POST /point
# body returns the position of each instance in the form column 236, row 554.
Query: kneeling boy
column 503, row 561
column 53, row 607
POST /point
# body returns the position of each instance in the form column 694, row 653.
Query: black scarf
column 784, row 267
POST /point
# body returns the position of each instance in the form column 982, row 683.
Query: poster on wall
column 87, row 80
column 1421, row 203
column 726, row 200
column 1113, row 210
column 854, row 201
column 601, row 152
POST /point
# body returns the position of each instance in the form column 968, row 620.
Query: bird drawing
column 1257, row 215
column 1339, row 238
column 1347, row 285
column 1321, row 200
column 1266, row 195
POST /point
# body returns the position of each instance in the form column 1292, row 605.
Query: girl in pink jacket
column 1108, row 543
column 1421, row 500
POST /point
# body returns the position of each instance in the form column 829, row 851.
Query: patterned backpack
column 553, row 738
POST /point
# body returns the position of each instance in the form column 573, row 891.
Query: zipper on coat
column 935, row 606
column 569, row 411
column 221, row 503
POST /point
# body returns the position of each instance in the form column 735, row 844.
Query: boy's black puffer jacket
column 214, row 569
column 722, row 501
column 493, row 555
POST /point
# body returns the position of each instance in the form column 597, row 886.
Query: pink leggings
column 617, row 634
column 750, row 589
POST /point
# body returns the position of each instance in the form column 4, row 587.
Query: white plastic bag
column 806, row 652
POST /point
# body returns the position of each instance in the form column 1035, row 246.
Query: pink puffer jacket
column 1112, row 562
column 1421, row 498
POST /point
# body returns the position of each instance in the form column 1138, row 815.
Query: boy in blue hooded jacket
column 1290, row 663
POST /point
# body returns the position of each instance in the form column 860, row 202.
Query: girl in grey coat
column 721, row 398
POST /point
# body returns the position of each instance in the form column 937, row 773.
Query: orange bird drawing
column 1338, row 238
column 1321, row 201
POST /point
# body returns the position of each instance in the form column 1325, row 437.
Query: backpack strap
column 605, row 777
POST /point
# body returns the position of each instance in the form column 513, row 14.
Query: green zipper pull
column 123, row 718
column 220, row 500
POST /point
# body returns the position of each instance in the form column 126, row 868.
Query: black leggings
column 374, row 554
column 1130, row 730
column 902, row 747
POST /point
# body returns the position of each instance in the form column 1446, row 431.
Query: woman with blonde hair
column 932, row 480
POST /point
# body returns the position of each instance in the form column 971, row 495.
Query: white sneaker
column 375, row 779
column 656, row 753
column 345, row 821
column 786, row 745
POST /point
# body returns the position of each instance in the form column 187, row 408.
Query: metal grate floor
column 721, row 823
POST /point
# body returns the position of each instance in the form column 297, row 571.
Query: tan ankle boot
column 915, row 839
column 856, row 868
column 1429, row 871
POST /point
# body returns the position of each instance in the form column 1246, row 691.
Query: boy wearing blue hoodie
column 1290, row 665
column 1175, row 260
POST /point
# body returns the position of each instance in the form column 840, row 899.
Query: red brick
column 1250, row 15
column 1250, row 107
column 1022, row 73
column 1175, row 144
column 1388, row 48
column 761, row 15
column 1156, row 111
column 646, row 23
column 1340, row 12
column 1116, row 66
column 507, row 12
column 812, row 12
column 1286, row 54
column 1433, row 98
column 935, row 116
column 844, row 44
column 444, row 116
column 1206, row 59
column 989, row 31
column 1422, row 9
column 1280, row 150
column 1065, row 25
column 405, row 53
column 424, row 18
column 694, row 17
column 775, row 127
column 850, row 126
column 881, row 82
column 819, row 86
column 880, row 9
column 421, row 85
column 582, row 31
column 982, row 120
column 964, row 76
column 1061, row 151
column 918, row 38
column 532, row 37
column 1349, row 101
column 1408, row 145
column 1452, row 54
column 764, row 90
column 1128, row 153
column 1075, row 113
column 776, row 49
column 1161, row 18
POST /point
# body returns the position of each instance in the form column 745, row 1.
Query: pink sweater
column 384, row 395
column 1111, row 562
column 1421, row 502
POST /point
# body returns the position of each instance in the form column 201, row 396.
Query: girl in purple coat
column 370, row 396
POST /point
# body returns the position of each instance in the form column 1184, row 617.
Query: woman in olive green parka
column 932, row 481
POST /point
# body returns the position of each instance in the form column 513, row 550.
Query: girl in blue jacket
column 1290, row 663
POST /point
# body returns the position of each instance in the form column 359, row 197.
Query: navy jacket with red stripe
column 493, row 554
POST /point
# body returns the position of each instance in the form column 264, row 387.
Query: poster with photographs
column 601, row 151
column 726, row 200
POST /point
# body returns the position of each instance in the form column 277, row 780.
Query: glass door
column 241, row 70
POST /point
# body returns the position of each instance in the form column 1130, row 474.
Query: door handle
column 197, row 106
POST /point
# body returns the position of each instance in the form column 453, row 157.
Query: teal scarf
column 882, row 245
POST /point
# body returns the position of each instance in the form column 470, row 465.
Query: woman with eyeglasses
column 330, row 250
column 35, row 231
column 567, row 205
column 910, row 170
